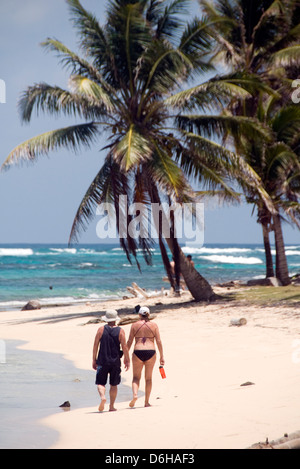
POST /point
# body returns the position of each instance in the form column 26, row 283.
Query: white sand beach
column 201, row 404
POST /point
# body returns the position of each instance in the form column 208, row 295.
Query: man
column 181, row 279
column 190, row 258
column 107, row 358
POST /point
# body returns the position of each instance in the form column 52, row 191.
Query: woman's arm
column 131, row 337
column 159, row 346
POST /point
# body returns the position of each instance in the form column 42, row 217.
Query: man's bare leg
column 101, row 390
column 112, row 395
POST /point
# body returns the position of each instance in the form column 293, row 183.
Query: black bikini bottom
column 144, row 355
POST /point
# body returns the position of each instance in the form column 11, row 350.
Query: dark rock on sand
column 31, row 305
column 66, row 404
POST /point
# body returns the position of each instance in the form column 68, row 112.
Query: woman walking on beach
column 145, row 333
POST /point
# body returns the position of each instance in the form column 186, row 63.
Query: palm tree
column 260, row 38
column 278, row 165
column 129, row 86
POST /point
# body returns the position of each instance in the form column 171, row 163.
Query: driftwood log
column 126, row 320
column 133, row 292
column 132, row 319
column 291, row 441
column 140, row 291
column 137, row 291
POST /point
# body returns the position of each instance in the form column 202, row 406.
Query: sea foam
column 232, row 259
column 15, row 252
column 189, row 250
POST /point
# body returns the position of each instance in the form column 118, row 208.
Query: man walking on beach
column 107, row 358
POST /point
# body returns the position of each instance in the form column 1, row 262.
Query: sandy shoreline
column 201, row 404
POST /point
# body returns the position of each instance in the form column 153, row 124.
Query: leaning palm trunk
column 268, row 252
column 282, row 272
column 197, row 285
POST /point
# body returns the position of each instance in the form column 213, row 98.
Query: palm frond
column 73, row 138
column 94, row 93
column 167, row 175
column 132, row 150
column 269, row 25
column 76, row 64
column 92, row 36
column 56, row 101
column 197, row 44
column 286, row 57
column 250, row 179
column 286, row 123
column 129, row 36
column 162, row 67
column 105, row 187
column 110, row 186
column 213, row 93
column 211, row 125
column 170, row 21
column 209, row 163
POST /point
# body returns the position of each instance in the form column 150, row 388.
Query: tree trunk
column 268, row 252
column 282, row 272
column 197, row 285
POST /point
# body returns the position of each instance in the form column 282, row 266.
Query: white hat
column 144, row 311
column 110, row 316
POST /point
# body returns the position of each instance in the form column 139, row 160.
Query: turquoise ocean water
column 56, row 274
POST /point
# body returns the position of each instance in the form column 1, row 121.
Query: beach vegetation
column 288, row 295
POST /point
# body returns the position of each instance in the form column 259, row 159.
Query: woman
column 145, row 334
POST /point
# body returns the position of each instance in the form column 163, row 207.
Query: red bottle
column 162, row 372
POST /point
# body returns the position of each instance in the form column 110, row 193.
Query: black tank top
column 109, row 353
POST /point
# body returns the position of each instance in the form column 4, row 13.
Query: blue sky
column 38, row 202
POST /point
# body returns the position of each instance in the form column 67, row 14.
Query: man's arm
column 96, row 346
column 122, row 340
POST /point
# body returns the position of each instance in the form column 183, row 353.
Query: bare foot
column 132, row 403
column 112, row 409
column 147, row 404
column 102, row 405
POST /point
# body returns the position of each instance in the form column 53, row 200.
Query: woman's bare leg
column 137, row 366
column 149, row 365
